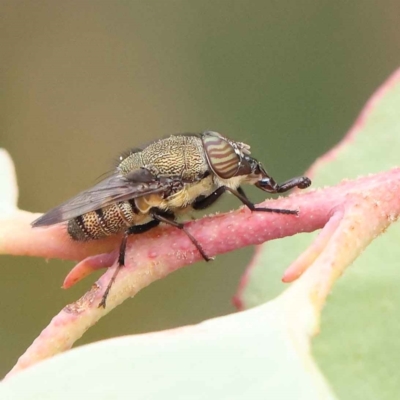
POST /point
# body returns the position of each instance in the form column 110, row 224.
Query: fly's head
column 233, row 165
column 232, row 161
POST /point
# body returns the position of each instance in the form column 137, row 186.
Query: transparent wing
column 111, row 190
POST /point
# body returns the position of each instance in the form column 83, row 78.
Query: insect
column 157, row 182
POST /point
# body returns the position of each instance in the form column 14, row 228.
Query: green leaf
column 226, row 358
column 360, row 333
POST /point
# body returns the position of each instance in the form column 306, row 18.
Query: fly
column 155, row 183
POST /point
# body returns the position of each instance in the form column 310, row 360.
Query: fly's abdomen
column 103, row 222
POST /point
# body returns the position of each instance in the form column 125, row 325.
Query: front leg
column 241, row 195
column 203, row 202
column 269, row 185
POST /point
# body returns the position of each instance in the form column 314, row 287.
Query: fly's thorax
column 177, row 155
column 104, row 222
column 130, row 163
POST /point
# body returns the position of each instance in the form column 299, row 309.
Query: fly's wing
column 111, row 190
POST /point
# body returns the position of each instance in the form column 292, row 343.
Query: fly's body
column 179, row 157
column 159, row 181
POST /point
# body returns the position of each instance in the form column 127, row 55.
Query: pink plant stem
column 154, row 255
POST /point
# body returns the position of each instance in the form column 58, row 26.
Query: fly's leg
column 133, row 230
column 300, row 182
column 241, row 195
column 268, row 184
column 203, row 202
column 169, row 219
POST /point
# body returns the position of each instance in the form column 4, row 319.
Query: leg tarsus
column 300, row 182
column 269, row 185
column 133, row 230
column 241, row 195
column 169, row 219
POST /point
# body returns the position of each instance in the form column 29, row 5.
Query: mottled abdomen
column 103, row 222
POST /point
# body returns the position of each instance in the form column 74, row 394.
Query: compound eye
column 221, row 155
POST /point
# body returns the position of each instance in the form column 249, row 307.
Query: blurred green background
column 82, row 81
